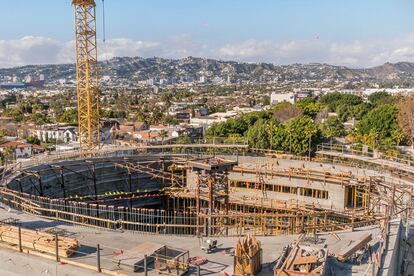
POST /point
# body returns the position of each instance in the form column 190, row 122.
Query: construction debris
column 171, row 261
column 209, row 246
column 353, row 247
column 38, row 240
column 302, row 259
column 248, row 257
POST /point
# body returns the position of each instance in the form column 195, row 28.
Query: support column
column 98, row 258
column 57, row 247
column 226, row 202
column 40, row 185
column 130, row 188
column 94, row 182
column 20, row 185
column 62, row 182
column 210, row 202
column 198, row 203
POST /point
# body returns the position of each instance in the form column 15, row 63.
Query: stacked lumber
column 38, row 241
column 248, row 256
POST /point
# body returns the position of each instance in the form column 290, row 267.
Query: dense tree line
column 381, row 121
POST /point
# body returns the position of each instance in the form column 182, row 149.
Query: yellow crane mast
column 87, row 75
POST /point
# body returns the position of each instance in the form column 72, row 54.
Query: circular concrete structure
column 189, row 195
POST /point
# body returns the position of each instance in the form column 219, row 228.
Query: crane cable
column 103, row 21
column 104, row 31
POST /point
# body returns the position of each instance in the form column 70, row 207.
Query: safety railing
column 358, row 150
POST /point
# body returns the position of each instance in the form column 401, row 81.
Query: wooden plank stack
column 38, row 241
column 248, row 257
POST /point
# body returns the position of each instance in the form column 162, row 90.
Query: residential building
column 20, row 149
column 282, row 97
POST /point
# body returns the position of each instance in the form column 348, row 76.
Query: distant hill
column 138, row 69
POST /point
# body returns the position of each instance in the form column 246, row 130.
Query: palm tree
column 163, row 135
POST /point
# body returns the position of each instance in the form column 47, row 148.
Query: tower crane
column 87, row 75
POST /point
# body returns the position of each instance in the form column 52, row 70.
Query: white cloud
column 32, row 50
column 354, row 54
column 359, row 53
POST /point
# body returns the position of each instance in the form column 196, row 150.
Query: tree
column 333, row 100
column 303, row 134
column 167, row 97
column 405, row 119
column 183, row 140
column 286, row 111
column 332, row 127
column 3, row 132
column 278, row 135
column 310, row 107
column 33, row 140
column 265, row 100
column 8, row 153
column 163, row 135
column 380, row 120
column 360, row 110
column 258, row 135
column 236, row 126
column 68, row 116
column 398, row 136
column 380, row 98
column 15, row 113
column 39, row 119
column 344, row 112
column 169, row 120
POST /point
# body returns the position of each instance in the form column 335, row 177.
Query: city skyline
column 349, row 33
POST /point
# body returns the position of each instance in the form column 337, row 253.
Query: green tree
column 333, row 100
column 8, row 153
column 33, row 140
column 360, row 110
column 15, row 113
column 344, row 112
column 332, row 127
column 398, row 136
column 380, row 98
column 39, row 119
column 68, row 116
column 310, row 107
column 236, row 126
column 183, row 140
column 258, row 135
column 381, row 121
column 163, row 135
column 303, row 134
column 167, row 97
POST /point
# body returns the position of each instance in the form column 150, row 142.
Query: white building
column 285, row 97
column 64, row 134
column 218, row 117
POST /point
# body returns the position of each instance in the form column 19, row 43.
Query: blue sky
column 355, row 33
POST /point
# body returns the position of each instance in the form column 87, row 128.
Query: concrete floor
column 14, row 263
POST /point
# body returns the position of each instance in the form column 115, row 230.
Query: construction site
column 200, row 209
column 219, row 194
